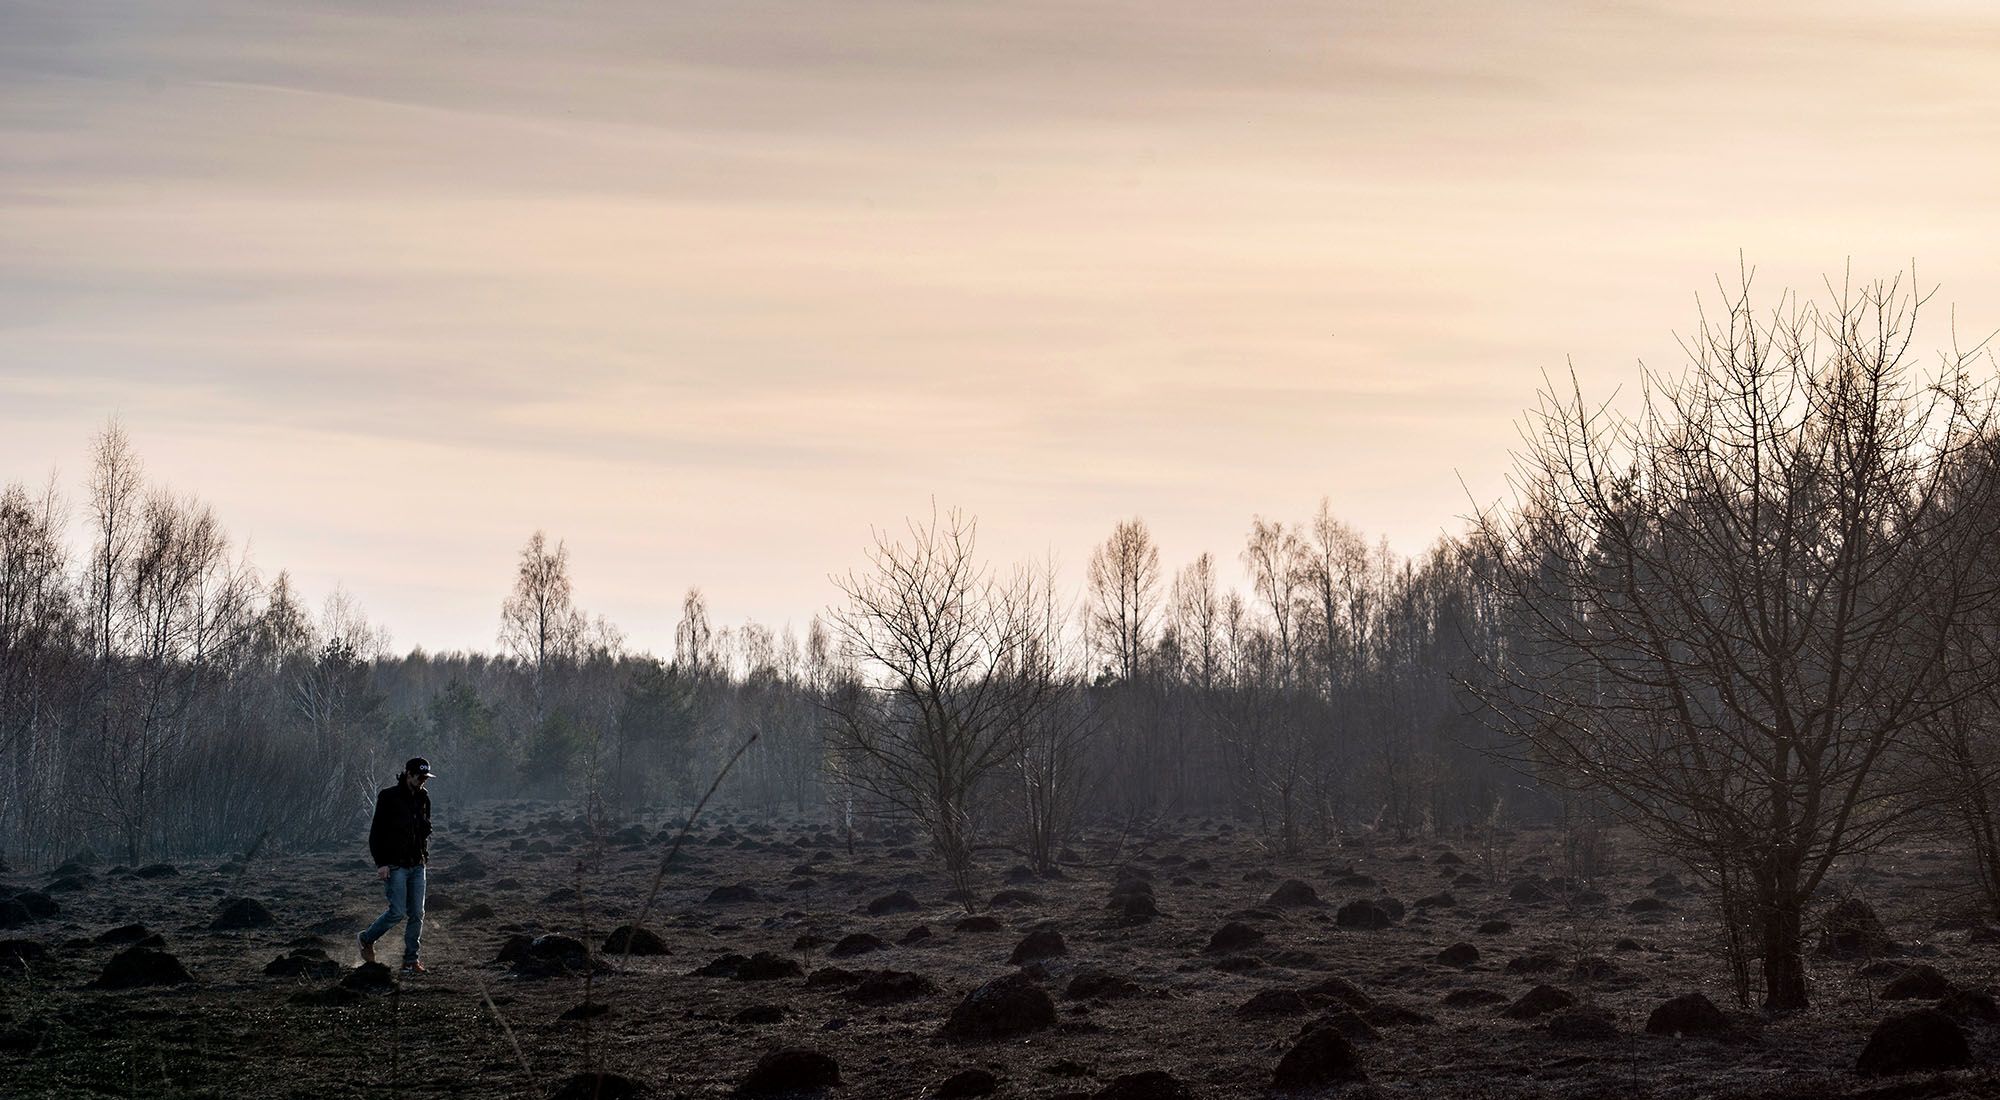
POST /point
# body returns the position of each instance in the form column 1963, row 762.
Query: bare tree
column 184, row 610
column 1334, row 569
column 938, row 700
column 1956, row 755
column 539, row 622
column 1124, row 585
column 1736, row 603
column 1121, row 620
column 1264, row 698
column 693, row 638
column 1195, row 620
column 116, row 483
column 1052, row 762
column 1271, row 555
column 40, row 669
column 1194, row 636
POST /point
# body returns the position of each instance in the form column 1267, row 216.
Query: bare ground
column 233, row 1031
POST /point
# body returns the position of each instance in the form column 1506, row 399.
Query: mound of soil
column 1912, row 1041
column 1132, row 900
column 369, row 978
column 1336, row 988
column 901, row 901
column 1042, row 943
column 1362, row 914
column 1321, row 1057
column 887, row 987
column 828, row 977
column 303, row 962
column 759, row 1015
column 241, row 913
column 1689, row 1014
column 857, row 943
column 735, row 894
column 633, row 940
column 469, row 869
column 1093, row 983
column 1534, row 962
column 1458, row 954
column 1001, row 1009
column 1851, row 930
column 1539, row 1001
column 1346, row 1021
column 551, row 954
column 1234, row 936
column 1293, row 893
column 762, row 967
column 790, row 1071
column 124, row 933
column 1921, row 983
column 39, row 905
column 1530, row 892
column 141, row 966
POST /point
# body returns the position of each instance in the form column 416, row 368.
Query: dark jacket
column 400, row 835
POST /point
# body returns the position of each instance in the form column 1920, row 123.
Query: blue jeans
column 405, row 889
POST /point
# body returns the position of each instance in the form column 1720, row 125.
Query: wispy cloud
column 709, row 288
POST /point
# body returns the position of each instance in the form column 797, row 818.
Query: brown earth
column 1219, row 1022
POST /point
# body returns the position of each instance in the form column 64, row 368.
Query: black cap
column 419, row 766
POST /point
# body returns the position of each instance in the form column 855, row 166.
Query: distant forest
column 1755, row 617
column 161, row 695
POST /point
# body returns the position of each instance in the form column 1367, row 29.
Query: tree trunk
column 1784, row 959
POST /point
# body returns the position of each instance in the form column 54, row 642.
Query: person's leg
column 413, row 932
column 393, row 888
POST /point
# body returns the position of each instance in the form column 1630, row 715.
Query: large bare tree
column 947, row 682
column 1735, row 603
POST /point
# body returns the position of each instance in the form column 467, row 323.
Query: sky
column 712, row 290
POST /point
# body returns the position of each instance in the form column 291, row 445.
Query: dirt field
column 1129, row 994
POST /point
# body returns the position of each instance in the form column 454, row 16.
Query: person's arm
column 378, row 833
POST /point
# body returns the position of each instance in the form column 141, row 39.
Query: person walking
column 399, row 841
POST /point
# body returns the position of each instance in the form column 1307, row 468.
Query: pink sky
column 710, row 289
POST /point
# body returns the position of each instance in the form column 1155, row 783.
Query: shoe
column 414, row 966
column 367, row 950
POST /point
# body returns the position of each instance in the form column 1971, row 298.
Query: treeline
column 159, row 695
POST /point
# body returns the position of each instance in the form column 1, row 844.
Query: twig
column 661, row 875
